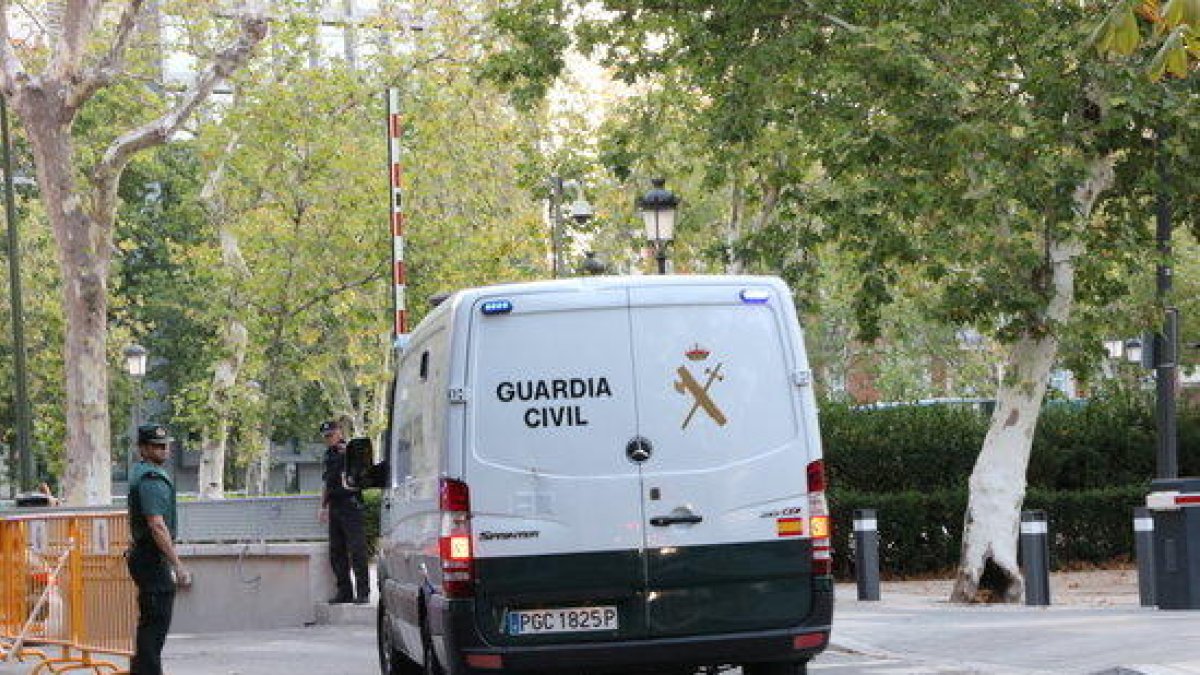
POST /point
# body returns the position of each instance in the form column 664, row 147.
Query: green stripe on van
column 601, row 578
column 728, row 588
column 695, row 590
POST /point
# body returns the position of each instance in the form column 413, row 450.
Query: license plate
column 567, row 620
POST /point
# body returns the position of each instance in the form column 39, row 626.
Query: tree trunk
column 988, row 569
column 211, row 474
column 215, row 443
column 84, row 253
column 216, row 435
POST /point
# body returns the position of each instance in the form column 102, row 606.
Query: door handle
column 663, row 521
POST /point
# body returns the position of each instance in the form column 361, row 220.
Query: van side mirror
column 361, row 469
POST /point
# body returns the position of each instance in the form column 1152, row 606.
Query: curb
column 345, row 615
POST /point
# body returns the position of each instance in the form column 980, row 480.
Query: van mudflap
column 463, row 649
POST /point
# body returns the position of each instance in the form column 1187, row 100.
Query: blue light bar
column 755, row 296
column 497, row 307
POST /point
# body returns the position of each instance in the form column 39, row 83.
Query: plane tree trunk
column 81, row 202
column 988, row 569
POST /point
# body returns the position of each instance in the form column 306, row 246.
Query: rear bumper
column 463, row 651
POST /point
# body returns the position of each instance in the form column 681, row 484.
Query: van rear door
column 724, row 487
column 556, row 504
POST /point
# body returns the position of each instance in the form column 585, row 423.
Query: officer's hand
column 323, row 514
column 183, row 578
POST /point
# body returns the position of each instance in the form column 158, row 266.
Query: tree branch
column 113, row 61
column 374, row 275
column 78, row 21
column 11, row 68
column 108, row 171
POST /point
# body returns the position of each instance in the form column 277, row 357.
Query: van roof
column 579, row 284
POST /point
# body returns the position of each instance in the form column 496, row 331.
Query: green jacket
column 151, row 493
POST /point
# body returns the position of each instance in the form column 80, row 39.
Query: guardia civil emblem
column 689, row 385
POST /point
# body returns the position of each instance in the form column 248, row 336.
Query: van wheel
column 776, row 668
column 392, row 661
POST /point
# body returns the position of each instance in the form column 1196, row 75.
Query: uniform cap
column 155, row 434
column 329, row 426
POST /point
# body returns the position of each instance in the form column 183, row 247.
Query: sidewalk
column 1094, row 625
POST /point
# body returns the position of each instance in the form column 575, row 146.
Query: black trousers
column 156, row 602
column 348, row 549
column 154, row 620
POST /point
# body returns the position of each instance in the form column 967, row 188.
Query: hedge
column 921, row 532
column 1104, row 442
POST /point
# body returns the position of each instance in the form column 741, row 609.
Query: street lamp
column 1133, row 350
column 657, row 208
column 581, row 212
column 20, row 371
column 135, row 365
column 591, row 265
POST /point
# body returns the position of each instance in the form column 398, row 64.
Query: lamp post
column 657, row 208
column 20, row 371
column 1166, row 343
column 581, row 212
column 591, row 265
column 135, row 365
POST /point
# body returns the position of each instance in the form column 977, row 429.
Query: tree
column 1174, row 31
column 299, row 241
column 965, row 151
column 47, row 92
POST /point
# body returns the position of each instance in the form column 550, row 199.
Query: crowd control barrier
column 66, row 600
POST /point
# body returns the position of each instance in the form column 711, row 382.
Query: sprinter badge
column 688, row 384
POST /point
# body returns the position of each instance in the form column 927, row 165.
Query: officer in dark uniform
column 153, row 562
column 342, row 506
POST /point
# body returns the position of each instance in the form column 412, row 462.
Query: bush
column 924, row 448
column 921, row 532
column 1104, row 442
column 373, row 499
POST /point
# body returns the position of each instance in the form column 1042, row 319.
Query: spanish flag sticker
column 789, row 527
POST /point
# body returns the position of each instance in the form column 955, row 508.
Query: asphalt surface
column 905, row 633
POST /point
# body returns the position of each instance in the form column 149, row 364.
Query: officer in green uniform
column 153, row 562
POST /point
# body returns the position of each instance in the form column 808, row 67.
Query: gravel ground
column 1091, row 588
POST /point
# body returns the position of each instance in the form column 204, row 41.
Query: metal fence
column 252, row 519
column 65, row 594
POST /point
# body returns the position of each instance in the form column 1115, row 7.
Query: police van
column 605, row 474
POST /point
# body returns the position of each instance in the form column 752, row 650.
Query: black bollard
column 866, row 553
column 1143, row 541
column 1035, row 557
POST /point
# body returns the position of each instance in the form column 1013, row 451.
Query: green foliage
column 371, row 520
column 921, row 531
column 926, row 448
column 1104, row 442
column 1172, row 35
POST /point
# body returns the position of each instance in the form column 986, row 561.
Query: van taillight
column 454, row 544
column 816, row 476
column 453, row 495
column 819, row 528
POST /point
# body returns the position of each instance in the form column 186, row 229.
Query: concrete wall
column 252, row 586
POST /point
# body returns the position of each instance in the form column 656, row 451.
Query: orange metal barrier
column 65, row 593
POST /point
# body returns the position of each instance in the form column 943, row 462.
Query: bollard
column 866, row 553
column 1143, row 540
column 1035, row 557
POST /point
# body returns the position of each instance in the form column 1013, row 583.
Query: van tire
column 392, row 661
column 776, row 668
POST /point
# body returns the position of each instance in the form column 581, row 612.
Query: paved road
column 350, row 650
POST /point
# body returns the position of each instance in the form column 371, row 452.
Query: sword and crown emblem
column 688, row 384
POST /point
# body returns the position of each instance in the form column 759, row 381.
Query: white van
column 605, row 475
